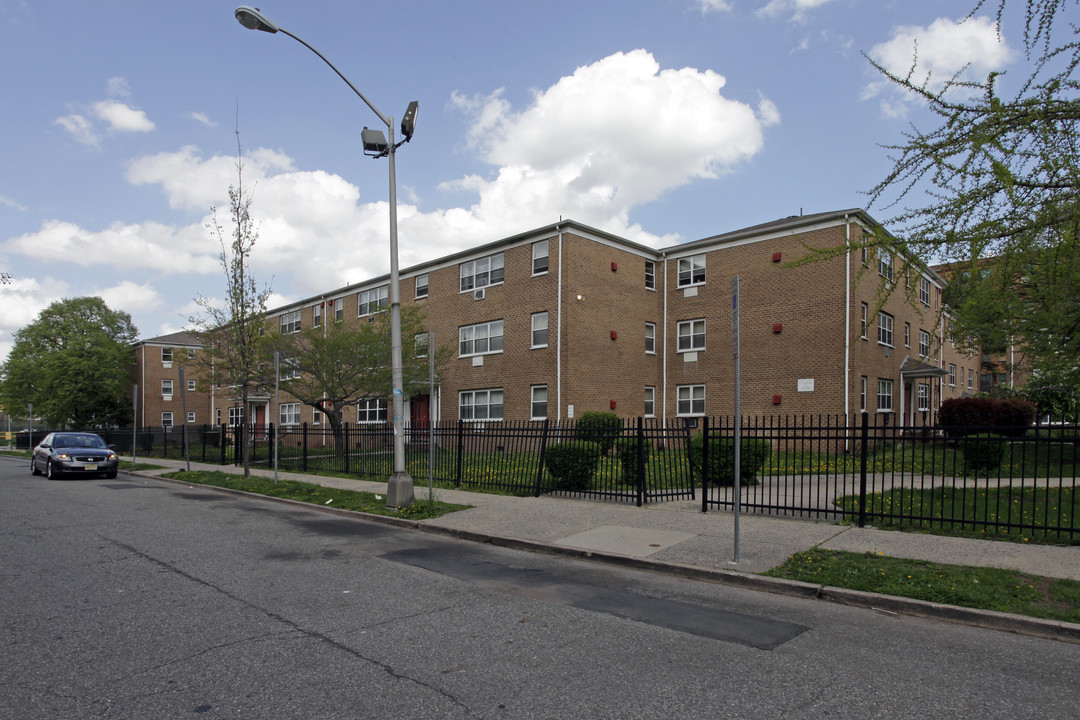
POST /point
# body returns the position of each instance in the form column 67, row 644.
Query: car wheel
column 111, row 475
column 50, row 471
column 33, row 468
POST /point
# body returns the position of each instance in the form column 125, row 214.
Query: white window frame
column 421, row 344
column 289, row 413
column 167, row 419
column 971, row 379
column 370, row 302
column 492, row 340
column 316, row 416
column 862, row 395
column 540, row 257
column 885, row 264
column 650, row 338
column 650, row 401
column 952, row 374
column 907, row 334
column 167, row 387
column 924, row 397
column 690, row 400
column 884, row 395
column 885, row 329
column 924, row 344
column 692, row 271
column 166, row 355
column 288, row 368
column 236, row 416
column 482, row 272
column 539, row 334
column 339, row 309
column 650, row 275
column 470, row 403
column 316, row 315
column 421, row 286
column 371, row 411
column 191, row 416
column 290, row 322
column 538, row 402
column 924, row 291
column 865, row 320
column 691, row 334
column 191, row 385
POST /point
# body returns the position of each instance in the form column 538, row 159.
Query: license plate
column 91, row 467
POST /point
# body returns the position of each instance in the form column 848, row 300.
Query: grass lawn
column 1034, row 509
column 975, row 587
column 317, row 494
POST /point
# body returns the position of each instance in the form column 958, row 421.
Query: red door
column 420, row 411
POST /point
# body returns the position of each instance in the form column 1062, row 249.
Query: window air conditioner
column 478, row 294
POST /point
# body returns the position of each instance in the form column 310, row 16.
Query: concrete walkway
column 677, row 537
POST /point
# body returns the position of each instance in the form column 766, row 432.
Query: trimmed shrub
column 627, row 451
column 983, row 454
column 721, row 470
column 963, row 416
column 572, row 463
column 601, row 428
column 1015, row 416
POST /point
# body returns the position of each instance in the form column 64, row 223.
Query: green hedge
column 572, row 463
column 983, row 454
column 601, row 428
column 627, row 451
column 721, row 470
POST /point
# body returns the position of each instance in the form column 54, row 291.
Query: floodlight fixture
column 374, row 142
column 408, row 121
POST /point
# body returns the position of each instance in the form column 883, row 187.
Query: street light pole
column 399, row 490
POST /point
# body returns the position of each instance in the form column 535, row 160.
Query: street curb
column 888, row 604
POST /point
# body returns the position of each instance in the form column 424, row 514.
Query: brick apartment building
column 567, row 319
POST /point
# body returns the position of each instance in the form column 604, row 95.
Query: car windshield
column 86, row 441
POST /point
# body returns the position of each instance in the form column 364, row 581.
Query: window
column 372, row 301
column 167, row 387
column 540, row 257
column 217, row 416
column 191, row 385
column 884, row 395
column 692, row 270
column 924, row 397
column 421, row 286
column 316, row 315
column 691, row 335
column 289, row 414
column 191, row 353
column 924, row 291
column 885, row 329
column 482, row 272
column 907, row 334
column 971, row 379
column 865, row 251
column 650, row 338
column 885, row 264
column 865, row 312
column 421, row 342
column 191, row 417
column 166, row 355
column 290, row 322
column 924, row 343
column 650, row 275
column 862, row 395
column 288, row 369
column 539, row 402
column 339, row 308
column 539, row 330
column 650, row 401
column 166, row 419
column 481, row 404
column 316, row 417
column 236, row 416
column 691, row 399
column 372, row 410
column 952, row 374
column 482, row 339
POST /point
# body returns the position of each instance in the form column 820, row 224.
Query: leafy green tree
column 232, row 331
column 340, row 364
column 73, row 363
column 998, row 178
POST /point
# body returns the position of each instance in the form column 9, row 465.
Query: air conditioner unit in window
column 478, row 294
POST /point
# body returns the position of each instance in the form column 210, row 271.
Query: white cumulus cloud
column 934, row 54
column 797, row 8
column 122, row 118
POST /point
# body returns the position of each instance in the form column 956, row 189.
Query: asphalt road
column 141, row 599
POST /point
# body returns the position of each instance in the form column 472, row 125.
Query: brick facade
column 802, row 350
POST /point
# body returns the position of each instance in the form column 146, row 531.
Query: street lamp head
column 252, row 19
column 374, row 142
column 408, row 121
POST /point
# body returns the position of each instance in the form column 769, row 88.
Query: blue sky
column 662, row 121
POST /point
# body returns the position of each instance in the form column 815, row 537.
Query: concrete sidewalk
column 678, row 533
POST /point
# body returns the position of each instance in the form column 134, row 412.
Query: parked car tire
column 111, row 475
column 33, row 468
column 50, row 471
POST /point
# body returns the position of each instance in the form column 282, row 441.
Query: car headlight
column 112, row 456
column 64, row 456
